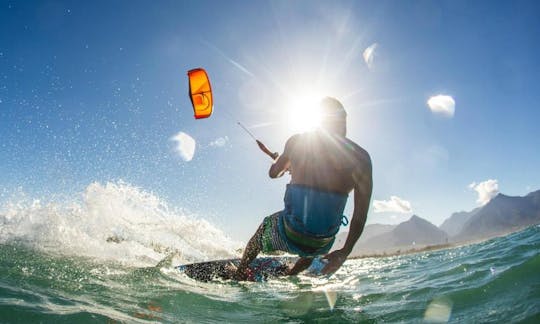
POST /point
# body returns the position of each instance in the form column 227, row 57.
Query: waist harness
column 312, row 217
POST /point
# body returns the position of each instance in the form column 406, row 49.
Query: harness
column 311, row 218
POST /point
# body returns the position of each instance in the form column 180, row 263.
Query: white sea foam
column 114, row 221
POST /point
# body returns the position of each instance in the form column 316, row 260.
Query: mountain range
column 501, row 215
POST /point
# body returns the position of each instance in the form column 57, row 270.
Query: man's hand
column 335, row 260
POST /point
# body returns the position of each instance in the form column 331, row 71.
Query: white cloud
column 185, row 145
column 369, row 54
column 486, row 190
column 220, row 142
column 442, row 105
column 394, row 205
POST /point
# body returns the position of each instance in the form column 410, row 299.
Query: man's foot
column 241, row 274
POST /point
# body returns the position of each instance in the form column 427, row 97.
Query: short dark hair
column 332, row 108
column 333, row 116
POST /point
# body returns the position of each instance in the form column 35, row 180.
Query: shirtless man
column 325, row 167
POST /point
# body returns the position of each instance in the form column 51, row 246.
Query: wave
column 113, row 221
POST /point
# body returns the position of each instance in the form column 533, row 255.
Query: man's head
column 333, row 116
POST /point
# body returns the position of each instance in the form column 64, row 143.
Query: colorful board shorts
column 274, row 239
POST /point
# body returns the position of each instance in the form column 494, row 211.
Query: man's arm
column 282, row 163
column 362, row 196
column 300, row 265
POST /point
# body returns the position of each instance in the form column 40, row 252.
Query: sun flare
column 303, row 113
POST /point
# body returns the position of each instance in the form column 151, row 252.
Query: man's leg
column 252, row 250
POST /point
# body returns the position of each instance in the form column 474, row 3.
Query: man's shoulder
column 360, row 153
column 294, row 138
column 299, row 139
column 291, row 141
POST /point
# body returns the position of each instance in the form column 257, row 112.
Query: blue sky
column 96, row 92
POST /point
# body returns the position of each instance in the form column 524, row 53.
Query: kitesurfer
column 325, row 166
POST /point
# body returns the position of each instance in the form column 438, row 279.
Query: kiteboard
column 260, row 269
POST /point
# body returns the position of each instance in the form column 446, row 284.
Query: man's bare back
column 323, row 161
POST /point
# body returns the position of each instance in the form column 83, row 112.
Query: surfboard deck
column 261, row 268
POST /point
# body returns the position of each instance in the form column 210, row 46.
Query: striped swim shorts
column 272, row 239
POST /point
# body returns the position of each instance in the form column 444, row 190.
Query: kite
column 200, row 93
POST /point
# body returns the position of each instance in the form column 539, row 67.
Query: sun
column 303, row 112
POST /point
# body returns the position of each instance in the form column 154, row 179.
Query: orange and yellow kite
column 200, row 93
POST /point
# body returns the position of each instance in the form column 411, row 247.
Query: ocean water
column 109, row 257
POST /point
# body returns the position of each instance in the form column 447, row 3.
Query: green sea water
column 73, row 269
column 494, row 281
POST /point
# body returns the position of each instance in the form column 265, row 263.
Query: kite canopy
column 200, row 93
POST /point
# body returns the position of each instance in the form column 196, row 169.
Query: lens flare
column 304, row 113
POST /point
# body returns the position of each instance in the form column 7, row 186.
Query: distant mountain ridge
column 418, row 231
column 370, row 231
column 501, row 215
column 415, row 232
column 453, row 225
